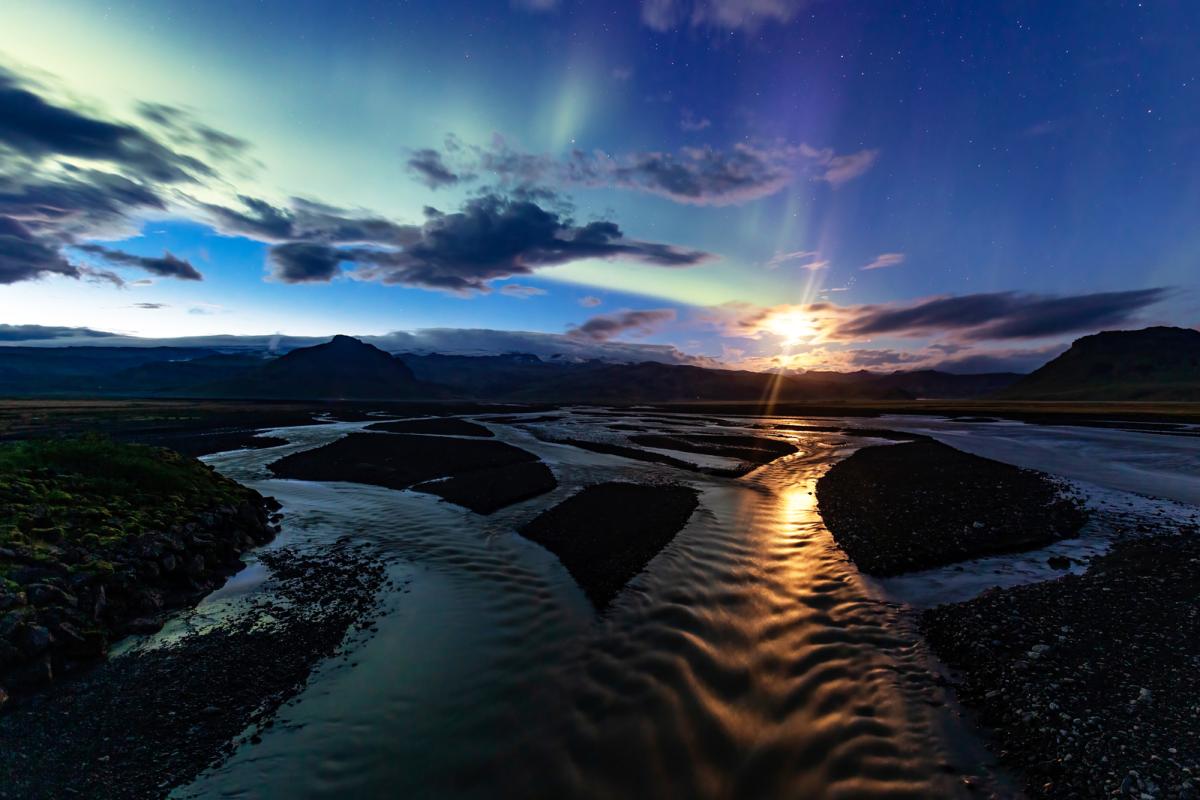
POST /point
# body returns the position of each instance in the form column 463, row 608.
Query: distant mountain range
column 1150, row 364
column 1157, row 363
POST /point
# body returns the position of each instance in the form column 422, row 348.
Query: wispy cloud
column 884, row 260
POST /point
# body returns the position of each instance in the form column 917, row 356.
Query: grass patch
column 92, row 491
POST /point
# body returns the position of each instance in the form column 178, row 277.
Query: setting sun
column 794, row 325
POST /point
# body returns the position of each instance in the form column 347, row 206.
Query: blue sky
column 821, row 183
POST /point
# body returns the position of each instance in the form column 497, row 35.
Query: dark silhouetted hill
column 342, row 369
column 1150, row 364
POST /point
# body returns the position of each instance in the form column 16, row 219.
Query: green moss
column 96, row 492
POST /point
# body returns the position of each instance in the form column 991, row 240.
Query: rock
column 3, row 698
column 32, row 675
column 168, row 562
column 194, row 566
column 11, row 600
column 44, row 594
column 977, row 525
column 35, row 640
column 1059, row 562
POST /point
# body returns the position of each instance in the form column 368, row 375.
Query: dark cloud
column 308, row 220
column 492, row 237
column 75, row 204
column 306, row 262
column 164, row 266
column 429, row 168
column 150, row 306
column 608, row 326
column 24, row 258
column 48, row 204
column 693, row 175
column 36, row 128
column 999, row 315
column 33, row 333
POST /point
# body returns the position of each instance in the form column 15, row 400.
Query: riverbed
column 750, row 658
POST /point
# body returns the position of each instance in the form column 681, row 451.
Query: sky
column 806, row 184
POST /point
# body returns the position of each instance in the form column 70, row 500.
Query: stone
column 44, row 594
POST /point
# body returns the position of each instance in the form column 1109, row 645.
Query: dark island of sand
column 441, row 426
column 478, row 474
column 917, row 505
column 608, row 532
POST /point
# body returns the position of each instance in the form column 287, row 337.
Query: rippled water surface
column 750, row 659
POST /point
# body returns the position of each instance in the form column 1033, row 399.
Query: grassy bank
column 98, row 538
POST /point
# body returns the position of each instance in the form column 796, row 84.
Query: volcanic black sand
column 1090, row 683
column 485, row 491
column 447, row 426
column 153, row 719
column 756, row 450
column 898, row 508
column 485, row 475
column 608, row 532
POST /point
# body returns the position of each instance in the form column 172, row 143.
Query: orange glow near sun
column 794, row 326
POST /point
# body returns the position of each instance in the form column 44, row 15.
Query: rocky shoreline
column 1089, row 683
column 150, row 720
column 99, row 540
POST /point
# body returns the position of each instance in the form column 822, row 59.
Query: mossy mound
column 93, row 492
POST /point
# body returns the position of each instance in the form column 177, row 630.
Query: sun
column 793, row 325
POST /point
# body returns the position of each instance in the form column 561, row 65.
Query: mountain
column 652, row 382
column 1150, row 364
column 342, row 369
column 926, row 383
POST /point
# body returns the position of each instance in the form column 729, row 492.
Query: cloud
column 590, row 301
column 429, row 168
column 35, row 128
column 622, row 73
column 535, row 5
column 884, row 260
column 999, row 315
column 492, row 237
column 604, row 327
column 704, row 176
column 24, row 258
column 748, row 15
column 523, row 292
column 690, row 123
column 53, row 198
column 29, row 333
column 805, row 259
column 150, row 306
column 181, row 127
column 838, row 169
column 307, row 220
column 164, row 266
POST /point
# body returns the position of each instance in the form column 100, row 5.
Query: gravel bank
column 147, row 721
column 1091, row 683
column 916, row 505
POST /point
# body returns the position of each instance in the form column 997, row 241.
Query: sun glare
column 794, row 326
